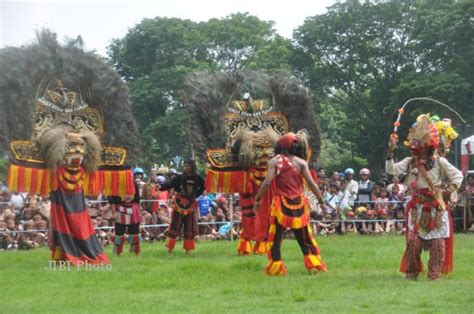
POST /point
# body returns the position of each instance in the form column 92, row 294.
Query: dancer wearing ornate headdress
column 289, row 207
column 66, row 159
column 62, row 151
column 431, row 179
column 244, row 113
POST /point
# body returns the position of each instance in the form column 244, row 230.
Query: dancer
column 127, row 217
column 66, row 159
column 290, row 208
column 188, row 187
column 432, row 179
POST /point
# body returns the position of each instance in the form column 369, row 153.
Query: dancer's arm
column 312, row 185
column 266, row 183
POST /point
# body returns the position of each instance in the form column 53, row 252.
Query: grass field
column 362, row 277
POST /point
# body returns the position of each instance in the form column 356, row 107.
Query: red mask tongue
column 76, row 161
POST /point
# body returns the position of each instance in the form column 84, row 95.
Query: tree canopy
column 360, row 61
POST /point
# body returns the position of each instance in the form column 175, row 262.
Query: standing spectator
column 139, row 177
column 382, row 208
column 365, row 187
column 352, row 187
column 468, row 193
column 162, row 197
column 150, row 194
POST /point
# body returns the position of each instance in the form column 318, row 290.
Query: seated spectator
column 93, row 210
column 321, row 172
column 42, row 228
column 400, row 223
column 396, row 181
column 107, row 213
column 372, row 227
column 361, row 214
column 27, row 214
column 382, row 202
column 325, row 226
column 225, row 232
column 37, row 218
column 323, row 184
column 221, row 208
column 335, row 179
column 375, row 193
column 12, row 236
column 28, row 240
column 205, row 215
column 384, row 181
column 147, row 233
column 44, row 207
column 3, row 234
column 332, row 197
column 348, row 226
column 18, row 201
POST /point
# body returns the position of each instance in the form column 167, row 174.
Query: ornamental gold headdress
column 67, row 132
column 428, row 131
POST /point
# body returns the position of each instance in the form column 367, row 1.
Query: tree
column 233, row 41
column 156, row 55
column 365, row 55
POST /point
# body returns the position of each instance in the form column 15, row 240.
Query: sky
column 100, row 21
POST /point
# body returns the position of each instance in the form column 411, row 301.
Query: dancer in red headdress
column 290, row 208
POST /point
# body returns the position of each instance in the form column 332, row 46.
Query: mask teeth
column 77, row 158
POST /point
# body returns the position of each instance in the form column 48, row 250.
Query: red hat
column 286, row 141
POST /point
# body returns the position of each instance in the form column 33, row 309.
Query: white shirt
column 441, row 169
column 351, row 192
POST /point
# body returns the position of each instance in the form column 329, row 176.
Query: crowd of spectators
column 368, row 206
column 364, row 206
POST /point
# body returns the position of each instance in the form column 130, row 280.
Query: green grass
column 362, row 277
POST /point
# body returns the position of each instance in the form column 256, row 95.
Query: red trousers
column 415, row 246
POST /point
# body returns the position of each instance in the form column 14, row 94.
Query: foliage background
column 361, row 61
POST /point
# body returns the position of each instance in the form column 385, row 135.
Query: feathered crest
column 207, row 96
column 26, row 72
